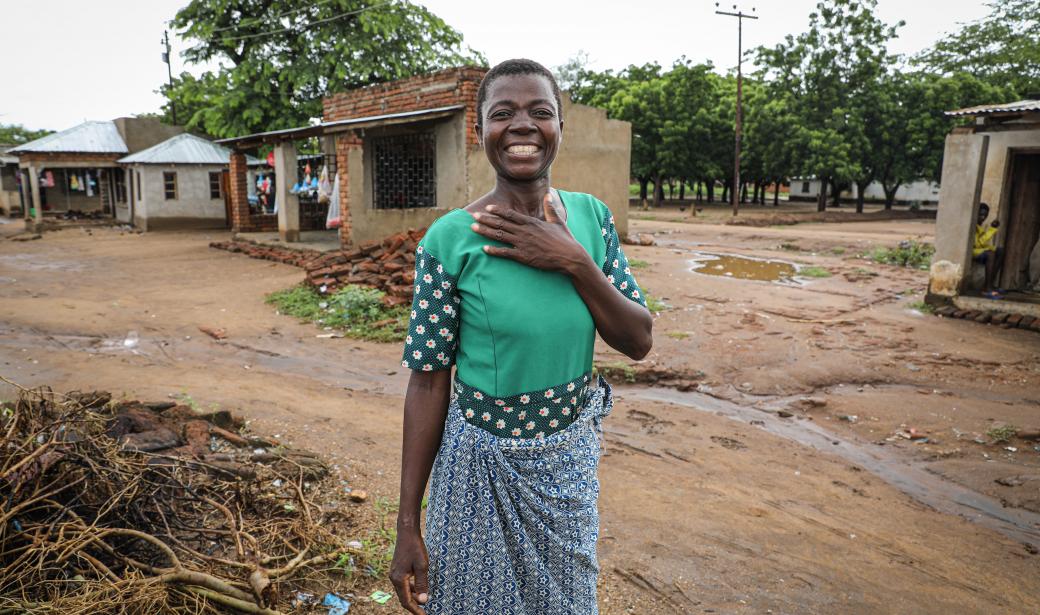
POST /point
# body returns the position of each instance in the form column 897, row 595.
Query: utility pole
column 741, row 16
column 169, row 72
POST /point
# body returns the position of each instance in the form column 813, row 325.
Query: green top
column 512, row 330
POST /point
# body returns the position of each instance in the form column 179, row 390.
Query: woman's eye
column 500, row 114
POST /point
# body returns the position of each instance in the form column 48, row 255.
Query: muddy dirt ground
column 761, row 473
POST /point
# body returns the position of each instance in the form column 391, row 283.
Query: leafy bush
column 355, row 310
column 909, row 253
column 1002, row 434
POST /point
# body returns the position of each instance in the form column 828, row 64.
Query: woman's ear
column 479, row 131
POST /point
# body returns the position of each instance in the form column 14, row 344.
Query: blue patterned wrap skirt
column 512, row 523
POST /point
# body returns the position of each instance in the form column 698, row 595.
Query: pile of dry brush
column 126, row 507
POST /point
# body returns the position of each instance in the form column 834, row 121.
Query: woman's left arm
column 622, row 323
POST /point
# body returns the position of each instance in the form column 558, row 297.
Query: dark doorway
column 1023, row 221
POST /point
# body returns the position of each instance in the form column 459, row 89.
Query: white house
column 179, row 183
column 921, row 191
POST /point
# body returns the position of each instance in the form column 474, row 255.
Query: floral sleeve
column 615, row 265
column 433, row 332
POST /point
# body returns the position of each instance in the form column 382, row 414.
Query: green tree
column 1002, row 49
column 16, row 134
column 834, row 71
column 279, row 58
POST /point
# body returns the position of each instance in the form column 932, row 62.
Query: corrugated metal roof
column 340, row 125
column 182, row 149
column 1022, row 106
column 88, row 137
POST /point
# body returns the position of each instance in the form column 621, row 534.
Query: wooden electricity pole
column 741, row 16
column 169, row 74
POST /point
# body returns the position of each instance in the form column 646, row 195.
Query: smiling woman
column 511, row 290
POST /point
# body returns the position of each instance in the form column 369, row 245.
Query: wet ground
column 777, row 481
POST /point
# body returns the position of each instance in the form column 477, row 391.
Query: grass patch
column 813, row 271
column 677, row 335
column 838, row 251
column 790, row 247
column 355, row 310
column 617, row 371
column 635, row 263
column 921, row 306
column 1002, row 434
column 910, row 253
column 655, row 304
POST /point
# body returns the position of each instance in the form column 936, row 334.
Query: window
column 805, row 187
column 138, row 174
column 404, row 171
column 169, row 179
column 214, row 185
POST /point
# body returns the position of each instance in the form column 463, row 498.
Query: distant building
column 995, row 160
column 920, row 191
column 10, row 195
column 77, row 169
column 179, row 183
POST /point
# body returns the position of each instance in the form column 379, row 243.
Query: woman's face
column 522, row 129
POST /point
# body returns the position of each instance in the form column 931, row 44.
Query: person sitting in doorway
column 986, row 253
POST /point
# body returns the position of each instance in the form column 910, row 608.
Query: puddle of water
column 908, row 475
column 744, row 268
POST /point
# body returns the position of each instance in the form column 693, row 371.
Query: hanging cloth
column 74, row 182
column 332, row 219
column 324, row 187
column 90, row 184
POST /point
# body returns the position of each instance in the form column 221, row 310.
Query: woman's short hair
column 518, row 66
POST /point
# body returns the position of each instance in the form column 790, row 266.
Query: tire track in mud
column 908, row 475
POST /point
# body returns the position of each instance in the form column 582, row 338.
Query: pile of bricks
column 1001, row 319
column 388, row 265
column 278, row 254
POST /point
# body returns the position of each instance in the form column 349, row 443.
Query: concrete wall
column 963, row 162
column 371, row 224
column 143, row 132
column 595, row 158
column 193, row 207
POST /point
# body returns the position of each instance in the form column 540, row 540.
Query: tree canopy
column 278, row 58
column 16, row 134
column 1001, row 49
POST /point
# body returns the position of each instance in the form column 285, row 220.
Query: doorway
column 1023, row 224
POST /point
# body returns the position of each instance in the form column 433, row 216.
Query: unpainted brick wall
column 452, row 86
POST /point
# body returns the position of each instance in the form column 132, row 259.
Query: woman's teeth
column 522, row 150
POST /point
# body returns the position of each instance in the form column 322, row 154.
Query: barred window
column 170, row 185
column 404, row 171
column 214, row 185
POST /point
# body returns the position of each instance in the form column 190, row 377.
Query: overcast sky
column 68, row 61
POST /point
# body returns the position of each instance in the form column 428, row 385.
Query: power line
column 310, row 25
column 260, row 19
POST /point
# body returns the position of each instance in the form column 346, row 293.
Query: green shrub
column 635, row 263
column 910, row 253
column 1002, row 434
column 357, row 311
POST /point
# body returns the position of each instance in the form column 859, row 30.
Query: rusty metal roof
column 1022, row 106
column 88, row 137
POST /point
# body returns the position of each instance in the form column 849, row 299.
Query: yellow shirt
column 984, row 240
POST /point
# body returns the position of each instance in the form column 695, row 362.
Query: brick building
column 405, row 154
